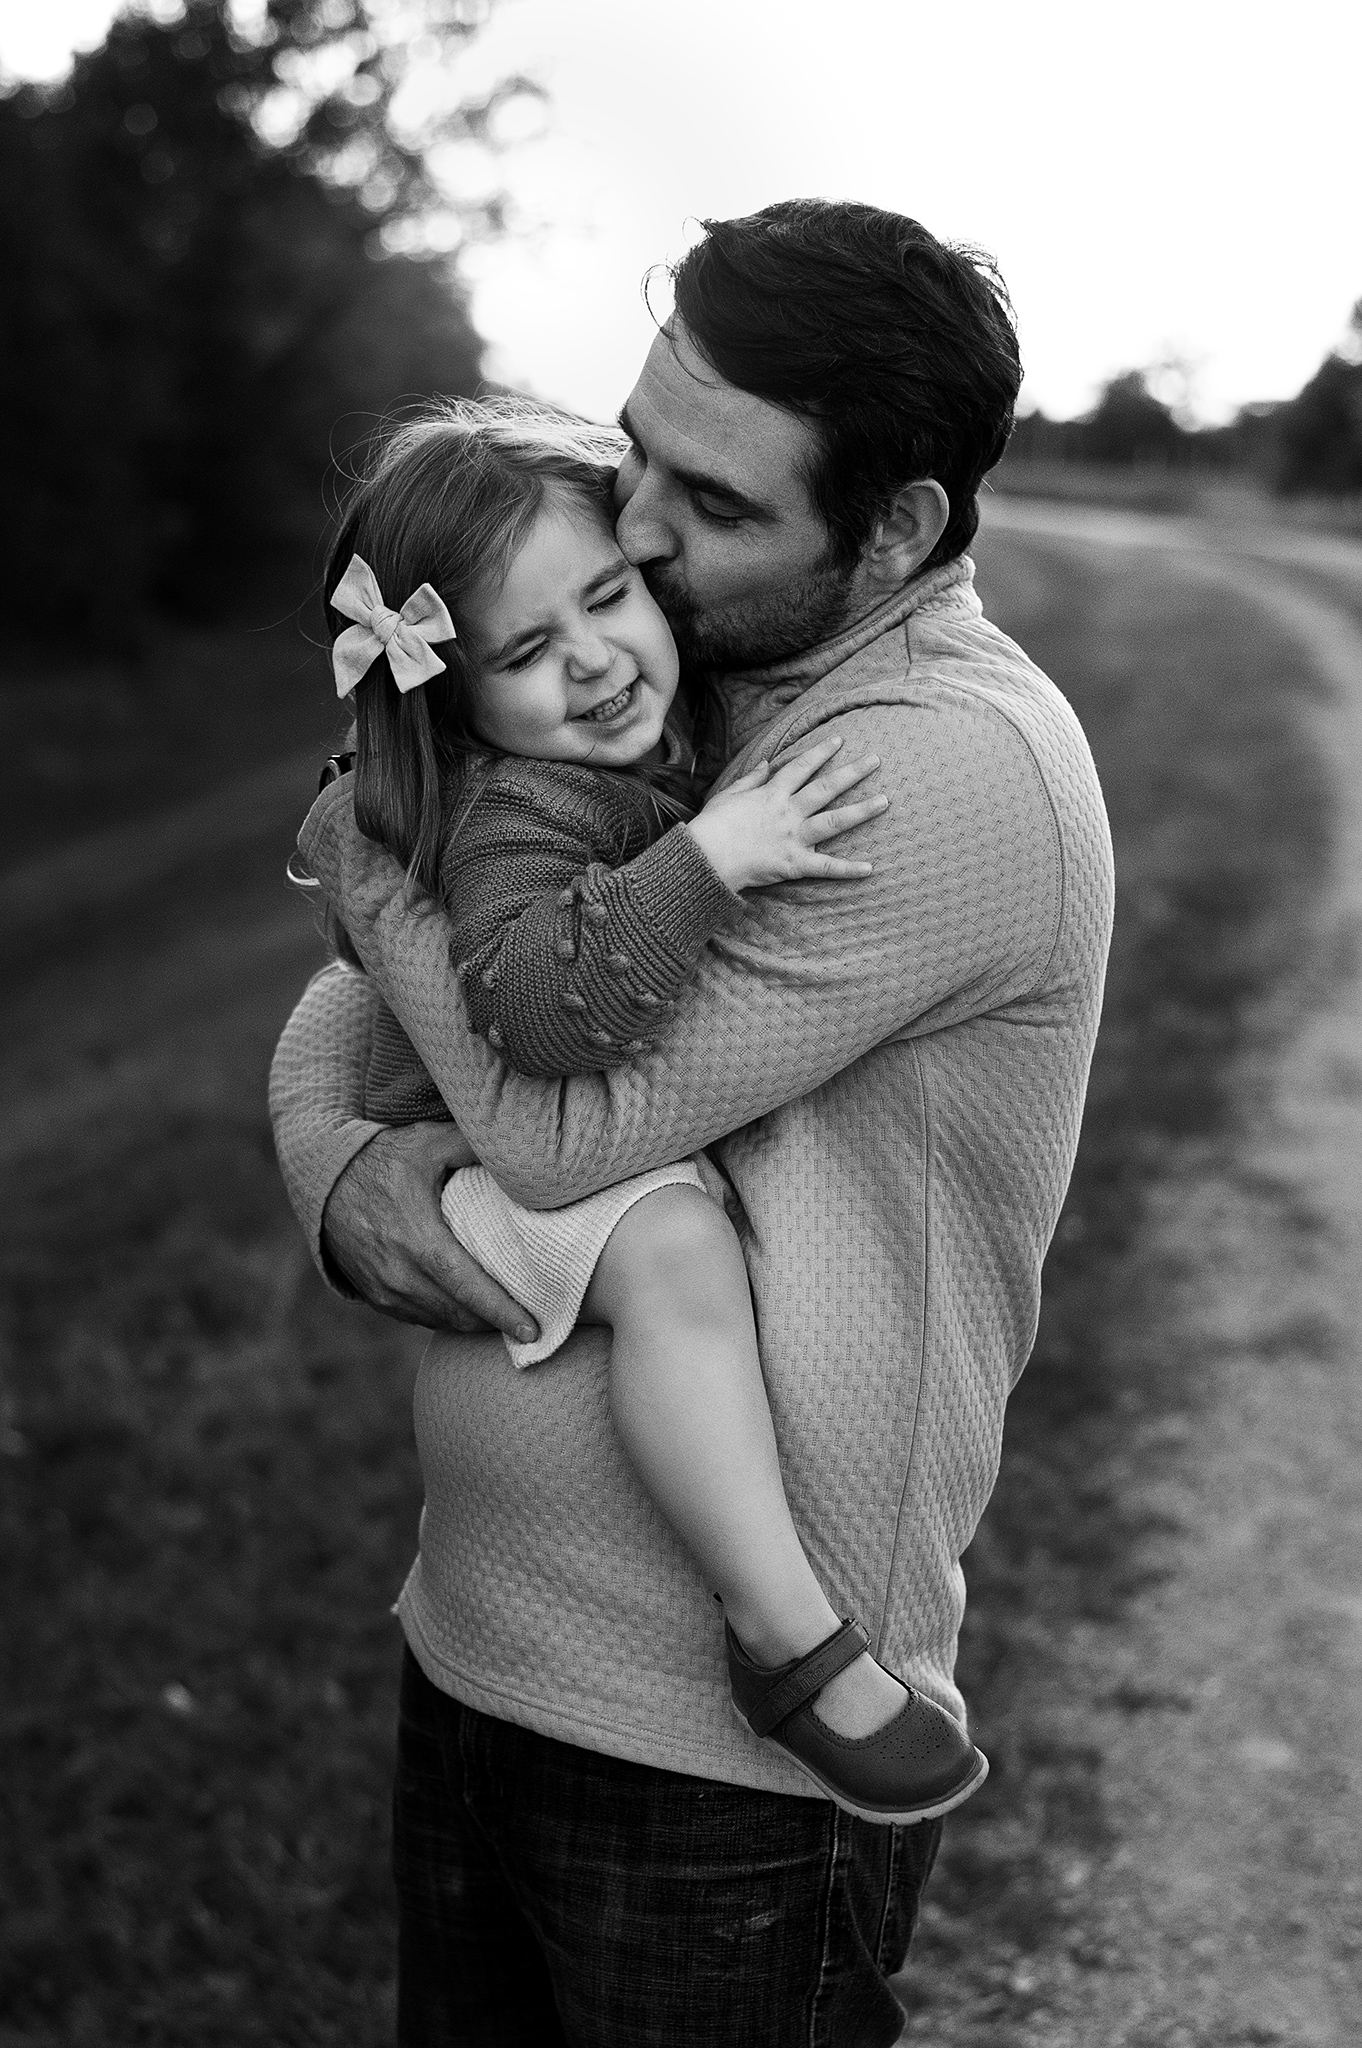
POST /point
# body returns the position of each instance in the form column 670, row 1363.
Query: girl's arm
column 569, row 966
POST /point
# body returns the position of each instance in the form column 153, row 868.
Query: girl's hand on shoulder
column 770, row 826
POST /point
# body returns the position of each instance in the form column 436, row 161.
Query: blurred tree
column 1319, row 434
column 1246, row 445
column 1038, row 438
column 1130, row 425
column 220, row 238
column 1312, row 442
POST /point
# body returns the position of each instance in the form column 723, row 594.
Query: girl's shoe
column 917, row 1766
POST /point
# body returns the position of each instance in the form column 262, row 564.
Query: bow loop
column 405, row 636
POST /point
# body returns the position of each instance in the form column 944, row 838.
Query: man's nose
column 642, row 530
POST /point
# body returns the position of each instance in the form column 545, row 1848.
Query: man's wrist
column 332, row 1271
column 354, row 1140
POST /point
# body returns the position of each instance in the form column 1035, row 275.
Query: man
column 590, row 1848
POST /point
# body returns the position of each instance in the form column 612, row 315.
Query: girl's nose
column 590, row 655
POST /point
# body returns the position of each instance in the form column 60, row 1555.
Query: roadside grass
column 211, row 1497
column 94, row 744
column 209, row 1493
column 1220, row 819
column 1151, row 487
column 1141, row 487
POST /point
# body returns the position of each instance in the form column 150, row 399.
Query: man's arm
column 959, row 917
column 368, row 1198
column 317, row 1095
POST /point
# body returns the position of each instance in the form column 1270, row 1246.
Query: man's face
column 713, row 506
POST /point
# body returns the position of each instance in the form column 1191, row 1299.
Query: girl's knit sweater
column 568, row 964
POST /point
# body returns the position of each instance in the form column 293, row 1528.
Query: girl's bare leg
column 690, row 1407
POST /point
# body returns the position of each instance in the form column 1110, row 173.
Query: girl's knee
column 678, row 1241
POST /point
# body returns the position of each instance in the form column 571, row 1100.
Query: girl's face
column 572, row 659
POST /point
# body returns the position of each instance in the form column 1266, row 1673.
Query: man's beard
column 763, row 630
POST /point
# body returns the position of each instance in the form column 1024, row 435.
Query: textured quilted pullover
column 891, row 1073
column 568, row 965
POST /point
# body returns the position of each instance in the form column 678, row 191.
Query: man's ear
column 906, row 535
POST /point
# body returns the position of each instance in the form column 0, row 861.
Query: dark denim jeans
column 551, row 1897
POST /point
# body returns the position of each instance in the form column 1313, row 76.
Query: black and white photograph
column 681, row 1232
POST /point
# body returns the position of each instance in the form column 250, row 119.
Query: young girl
column 535, row 776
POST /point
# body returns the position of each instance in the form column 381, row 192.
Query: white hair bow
column 403, row 636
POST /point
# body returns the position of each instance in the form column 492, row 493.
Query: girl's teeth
column 614, row 707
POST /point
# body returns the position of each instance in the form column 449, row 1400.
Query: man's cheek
column 721, row 567
column 666, row 586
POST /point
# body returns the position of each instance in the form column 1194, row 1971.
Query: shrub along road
column 211, row 1495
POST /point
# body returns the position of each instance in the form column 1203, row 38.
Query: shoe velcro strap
column 807, row 1677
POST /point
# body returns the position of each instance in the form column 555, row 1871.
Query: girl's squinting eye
column 526, row 657
column 610, row 598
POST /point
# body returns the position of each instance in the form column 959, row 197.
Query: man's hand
column 383, row 1230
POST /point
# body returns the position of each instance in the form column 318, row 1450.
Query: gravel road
column 1232, row 1906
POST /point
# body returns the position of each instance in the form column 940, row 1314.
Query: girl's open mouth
column 612, row 707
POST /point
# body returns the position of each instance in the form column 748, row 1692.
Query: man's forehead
column 701, row 421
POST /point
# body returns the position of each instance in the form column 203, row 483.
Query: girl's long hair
column 446, row 498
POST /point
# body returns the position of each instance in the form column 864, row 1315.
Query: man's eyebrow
column 699, row 480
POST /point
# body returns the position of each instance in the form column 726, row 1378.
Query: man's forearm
column 814, row 979
column 715, row 1067
column 317, row 1094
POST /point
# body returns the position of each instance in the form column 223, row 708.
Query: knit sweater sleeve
column 317, row 1084
column 568, row 964
column 959, row 917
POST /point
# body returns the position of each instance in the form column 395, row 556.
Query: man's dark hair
column 899, row 347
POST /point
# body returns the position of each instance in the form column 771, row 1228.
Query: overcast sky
column 1179, row 179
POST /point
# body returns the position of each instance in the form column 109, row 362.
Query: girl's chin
column 631, row 737
column 626, row 752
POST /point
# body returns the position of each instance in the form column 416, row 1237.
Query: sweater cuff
column 323, row 832
column 678, row 901
column 332, row 1154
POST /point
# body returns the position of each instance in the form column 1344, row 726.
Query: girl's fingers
column 818, row 794
column 804, row 766
column 827, row 824
column 753, row 779
column 829, row 867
